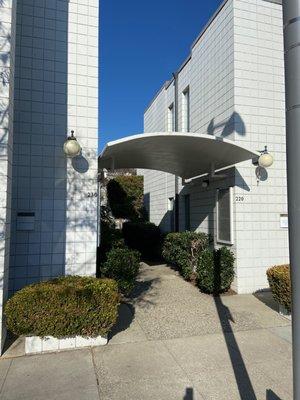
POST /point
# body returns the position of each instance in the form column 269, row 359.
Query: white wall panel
column 236, row 80
column 56, row 91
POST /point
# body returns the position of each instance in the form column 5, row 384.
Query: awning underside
column 184, row 154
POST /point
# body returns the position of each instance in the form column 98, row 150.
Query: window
column 187, row 213
column 171, row 118
column 186, row 110
column 224, row 216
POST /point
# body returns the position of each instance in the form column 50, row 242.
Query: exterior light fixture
column 265, row 160
column 71, row 146
column 205, row 183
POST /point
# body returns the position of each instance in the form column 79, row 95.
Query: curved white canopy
column 184, row 154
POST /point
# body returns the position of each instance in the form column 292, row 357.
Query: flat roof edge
column 211, row 19
column 164, row 86
column 168, row 83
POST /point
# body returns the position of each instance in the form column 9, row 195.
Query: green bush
column 144, row 237
column 280, row 284
column 64, row 307
column 125, row 196
column 215, row 270
column 122, row 264
column 110, row 238
column 183, row 250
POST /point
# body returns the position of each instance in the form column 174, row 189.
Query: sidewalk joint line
column 4, row 380
column 95, row 372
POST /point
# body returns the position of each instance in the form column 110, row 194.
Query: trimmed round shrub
column 122, row 264
column 144, row 237
column 183, row 250
column 280, row 284
column 215, row 270
column 64, row 307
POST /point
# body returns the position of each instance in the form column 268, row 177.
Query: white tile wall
column 7, row 61
column 56, row 92
column 260, row 100
column 81, row 234
column 236, row 81
column 159, row 186
column 209, row 75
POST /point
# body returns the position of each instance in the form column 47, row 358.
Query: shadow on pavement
column 125, row 317
column 140, row 296
column 242, row 378
column 189, row 394
column 144, row 293
column 265, row 296
column 271, row 395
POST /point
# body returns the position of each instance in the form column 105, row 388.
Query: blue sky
column 141, row 43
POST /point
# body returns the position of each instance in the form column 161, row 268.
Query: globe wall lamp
column 71, row 146
column 265, row 160
column 205, row 183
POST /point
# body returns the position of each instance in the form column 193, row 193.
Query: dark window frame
column 228, row 217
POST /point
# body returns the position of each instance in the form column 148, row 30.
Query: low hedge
column 144, row 237
column 64, row 307
column 122, row 264
column 280, row 284
column 215, row 270
column 183, row 249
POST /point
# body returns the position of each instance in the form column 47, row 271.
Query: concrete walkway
column 171, row 342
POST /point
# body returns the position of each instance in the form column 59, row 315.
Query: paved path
column 171, row 342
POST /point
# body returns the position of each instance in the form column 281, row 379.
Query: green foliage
column 144, row 237
column 122, row 264
column 125, row 196
column 215, row 270
column 280, row 284
column 110, row 238
column 184, row 249
column 64, row 307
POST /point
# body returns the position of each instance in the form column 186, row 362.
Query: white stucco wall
column 7, row 58
column 236, row 82
column 56, row 92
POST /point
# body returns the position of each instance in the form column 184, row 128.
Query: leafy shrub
column 110, row 238
column 183, row 250
column 122, row 264
column 215, row 270
column 144, row 237
column 280, row 284
column 62, row 307
column 125, row 196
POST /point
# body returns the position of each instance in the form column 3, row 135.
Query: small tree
column 125, row 196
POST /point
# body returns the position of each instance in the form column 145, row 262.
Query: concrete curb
column 36, row 345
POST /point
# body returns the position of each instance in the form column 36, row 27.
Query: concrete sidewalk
column 171, row 342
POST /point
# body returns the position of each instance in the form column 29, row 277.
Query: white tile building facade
column 49, row 86
column 235, row 78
